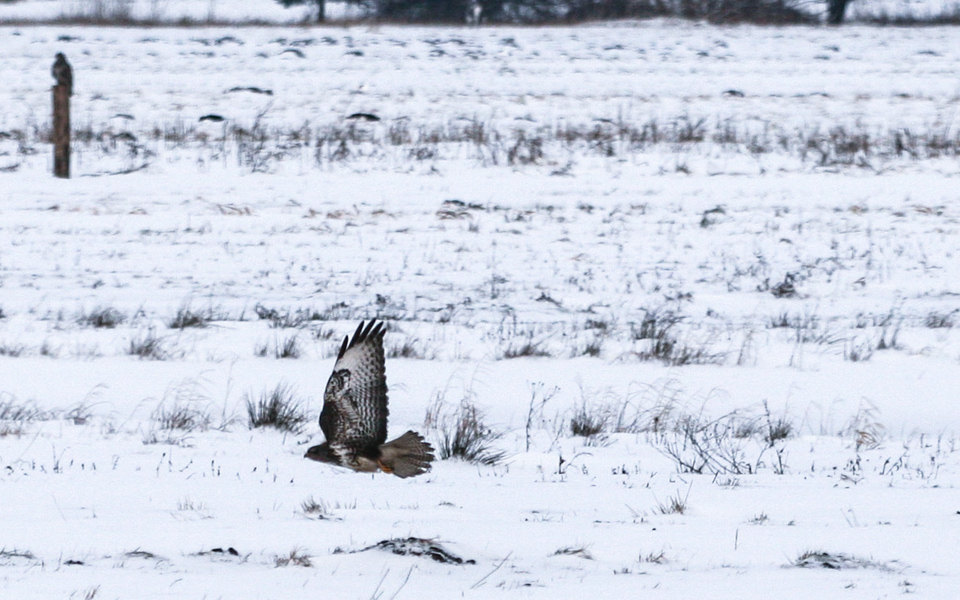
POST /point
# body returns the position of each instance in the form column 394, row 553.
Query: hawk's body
column 63, row 72
column 354, row 415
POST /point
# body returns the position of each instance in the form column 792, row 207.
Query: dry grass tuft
column 278, row 408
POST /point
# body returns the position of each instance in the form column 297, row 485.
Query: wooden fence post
column 63, row 74
column 61, row 131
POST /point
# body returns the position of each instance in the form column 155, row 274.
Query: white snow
column 568, row 251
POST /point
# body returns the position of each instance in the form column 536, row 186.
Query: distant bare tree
column 836, row 10
column 474, row 13
column 321, row 7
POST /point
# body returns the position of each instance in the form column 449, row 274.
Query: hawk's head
column 322, row 453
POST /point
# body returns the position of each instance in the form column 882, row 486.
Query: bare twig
column 405, row 580
column 495, row 569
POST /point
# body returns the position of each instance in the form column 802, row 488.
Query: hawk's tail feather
column 407, row 456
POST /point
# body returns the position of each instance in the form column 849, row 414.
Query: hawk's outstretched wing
column 354, row 415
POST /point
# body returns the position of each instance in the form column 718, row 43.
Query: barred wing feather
column 354, row 415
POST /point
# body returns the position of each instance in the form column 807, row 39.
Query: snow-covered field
column 730, row 250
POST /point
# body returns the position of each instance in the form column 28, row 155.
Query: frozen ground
column 690, row 235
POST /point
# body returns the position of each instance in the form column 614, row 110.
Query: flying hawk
column 354, row 415
column 63, row 73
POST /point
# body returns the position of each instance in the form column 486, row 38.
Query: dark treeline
column 560, row 11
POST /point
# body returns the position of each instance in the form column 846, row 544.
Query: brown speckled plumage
column 354, row 415
column 62, row 72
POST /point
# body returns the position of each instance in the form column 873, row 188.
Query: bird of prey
column 63, row 73
column 354, row 415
